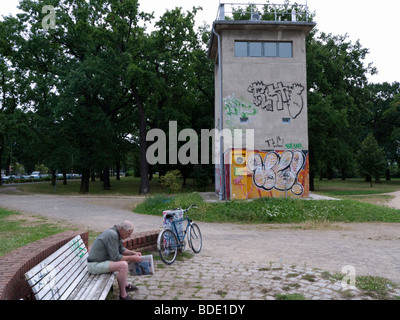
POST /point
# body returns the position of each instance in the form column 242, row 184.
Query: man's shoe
column 126, row 298
column 130, row 288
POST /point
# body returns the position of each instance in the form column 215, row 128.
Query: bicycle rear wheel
column 195, row 239
column 167, row 246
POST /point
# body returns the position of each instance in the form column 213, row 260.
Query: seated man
column 108, row 254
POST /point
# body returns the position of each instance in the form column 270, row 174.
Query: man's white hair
column 125, row 226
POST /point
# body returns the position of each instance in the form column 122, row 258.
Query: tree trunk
column 64, row 177
column 329, row 173
column 84, row 189
column 106, row 179
column 1, row 156
column 387, row 174
column 144, row 171
column 1, row 153
column 53, row 177
column 312, row 188
column 118, row 169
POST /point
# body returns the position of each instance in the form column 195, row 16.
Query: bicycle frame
column 172, row 238
column 175, row 229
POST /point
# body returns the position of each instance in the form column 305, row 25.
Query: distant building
column 261, row 84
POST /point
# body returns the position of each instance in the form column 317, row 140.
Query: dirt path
column 372, row 248
column 395, row 202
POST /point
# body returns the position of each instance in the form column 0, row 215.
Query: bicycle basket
column 167, row 222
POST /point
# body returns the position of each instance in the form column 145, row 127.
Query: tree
column 382, row 118
column 92, row 48
column 14, row 125
column 186, row 90
column 337, row 79
column 96, row 79
column 371, row 158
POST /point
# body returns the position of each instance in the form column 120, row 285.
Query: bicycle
column 169, row 241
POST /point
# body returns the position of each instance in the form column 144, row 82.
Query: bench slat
column 79, row 289
column 64, row 280
column 92, row 287
column 64, row 249
column 110, row 281
column 48, row 272
column 64, row 275
column 80, row 279
column 49, row 277
column 92, row 291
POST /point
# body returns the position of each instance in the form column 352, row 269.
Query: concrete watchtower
column 260, row 84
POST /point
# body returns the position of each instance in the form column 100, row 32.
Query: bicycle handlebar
column 186, row 210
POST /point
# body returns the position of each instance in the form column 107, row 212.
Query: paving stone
column 203, row 278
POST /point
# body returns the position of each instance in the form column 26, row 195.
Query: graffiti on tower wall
column 275, row 173
column 277, row 97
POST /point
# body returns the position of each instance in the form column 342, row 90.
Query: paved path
column 371, row 248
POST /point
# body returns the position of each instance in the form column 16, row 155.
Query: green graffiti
column 76, row 248
column 236, row 107
column 294, row 146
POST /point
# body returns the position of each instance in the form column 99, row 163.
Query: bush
column 201, row 179
column 269, row 210
column 171, row 181
column 129, row 174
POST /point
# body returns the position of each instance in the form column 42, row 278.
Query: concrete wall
column 272, row 94
column 278, row 86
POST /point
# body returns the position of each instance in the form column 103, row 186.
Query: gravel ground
column 371, row 248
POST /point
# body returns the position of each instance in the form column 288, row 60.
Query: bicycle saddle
column 170, row 215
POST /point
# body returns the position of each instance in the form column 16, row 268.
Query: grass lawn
column 267, row 210
column 126, row 186
column 354, row 187
column 17, row 230
column 358, row 189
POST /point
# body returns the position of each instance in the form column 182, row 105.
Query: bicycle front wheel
column 167, row 246
column 195, row 239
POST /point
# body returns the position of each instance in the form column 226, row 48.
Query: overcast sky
column 375, row 24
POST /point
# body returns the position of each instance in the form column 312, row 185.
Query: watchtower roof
column 259, row 17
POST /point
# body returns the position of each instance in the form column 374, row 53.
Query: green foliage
column 268, row 210
column 171, row 180
column 376, row 287
column 271, row 12
column 201, row 178
column 89, row 90
column 337, row 79
column 371, row 157
column 96, row 80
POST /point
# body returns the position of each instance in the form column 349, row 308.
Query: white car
column 35, row 175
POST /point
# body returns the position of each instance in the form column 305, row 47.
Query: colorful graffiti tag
column 277, row 171
column 270, row 174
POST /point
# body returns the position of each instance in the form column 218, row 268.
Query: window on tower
column 264, row 49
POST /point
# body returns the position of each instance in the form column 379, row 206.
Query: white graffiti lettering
column 278, row 97
column 279, row 172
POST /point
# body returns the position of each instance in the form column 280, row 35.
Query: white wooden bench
column 64, row 276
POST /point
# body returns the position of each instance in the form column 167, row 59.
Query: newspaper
column 145, row 267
